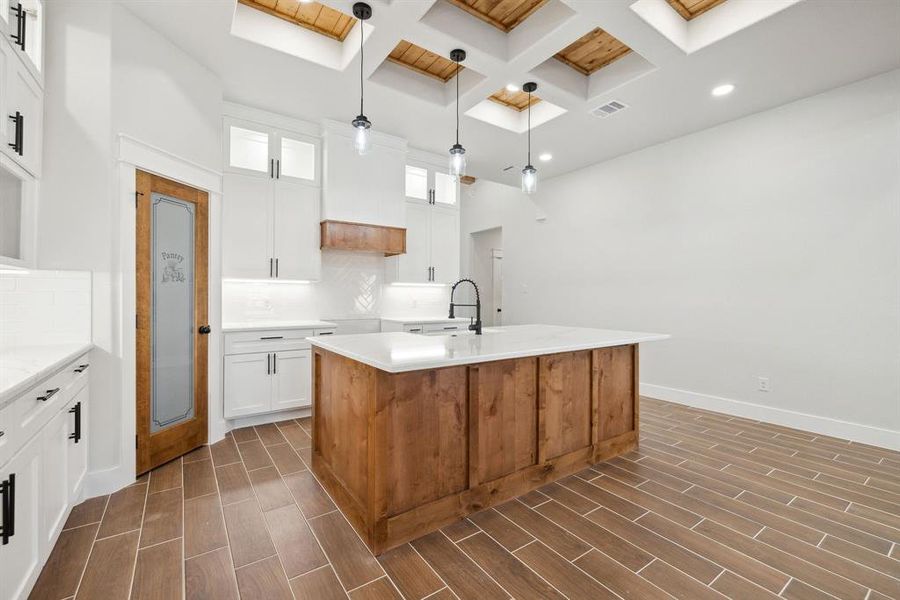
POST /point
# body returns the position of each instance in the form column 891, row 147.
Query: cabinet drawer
column 36, row 406
column 244, row 342
column 439, row 327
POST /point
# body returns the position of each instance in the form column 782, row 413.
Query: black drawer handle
column 76, row 410
column 326, row 333
column 19, row 35
column 8, row 490
column 273, row 337
column 452, row 328
column 417, row 330
column 48, row 394
column 82, row 368
column 18, row 137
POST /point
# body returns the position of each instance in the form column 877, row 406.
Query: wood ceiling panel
column 690, row 9
column 514, row 100
column 505, row 15
column 314, row 16
column 592, row 51
column 422, row 61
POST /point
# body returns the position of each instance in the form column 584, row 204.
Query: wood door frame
column 154, row 449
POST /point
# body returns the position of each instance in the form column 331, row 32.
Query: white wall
column 767, row 246
column 108, row 74
column 44, row 307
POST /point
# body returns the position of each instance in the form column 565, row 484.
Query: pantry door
column 171, row 289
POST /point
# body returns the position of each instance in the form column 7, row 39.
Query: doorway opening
column 487, row 269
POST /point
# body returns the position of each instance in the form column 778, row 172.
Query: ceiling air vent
column 609, row 109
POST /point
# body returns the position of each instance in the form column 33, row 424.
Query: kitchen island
column 411, row 433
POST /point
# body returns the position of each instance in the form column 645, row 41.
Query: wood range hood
column 363, row 237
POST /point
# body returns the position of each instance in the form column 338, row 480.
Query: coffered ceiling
column 422, row 61
column 594, row 50
column 775, row 59
column 314, row 16
column 518, row 100
column 693, row 8
column 505, row 15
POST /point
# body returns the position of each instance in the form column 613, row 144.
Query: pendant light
column 529, row 173
column 457, row 152
column 361, row 124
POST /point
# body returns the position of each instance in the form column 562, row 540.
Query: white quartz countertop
column 425, row 320
column 401, row 352
column 270, row 325
column 22, row 367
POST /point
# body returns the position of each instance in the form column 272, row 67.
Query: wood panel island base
column 411, row 433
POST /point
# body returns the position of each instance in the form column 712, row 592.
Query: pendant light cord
column 457, row 101
column 362, row 58
column 529, row 128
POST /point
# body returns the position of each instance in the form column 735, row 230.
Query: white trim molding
column 164, row 163
column 857, row 432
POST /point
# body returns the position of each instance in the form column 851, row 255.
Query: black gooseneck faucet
column 476, row 326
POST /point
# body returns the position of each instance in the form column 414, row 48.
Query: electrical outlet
column 764, row 385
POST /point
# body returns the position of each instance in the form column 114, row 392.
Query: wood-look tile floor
column 710, row 506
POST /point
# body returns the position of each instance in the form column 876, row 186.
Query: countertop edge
column 455, row 362
column 232, row 327
column 15, row 390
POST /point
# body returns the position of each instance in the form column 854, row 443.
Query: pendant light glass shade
column 529, row 179
column 529, row 173
column 457, row 162
column 362, row 127
column 362, row 141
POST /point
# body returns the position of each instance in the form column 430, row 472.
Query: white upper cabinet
column 271, row 152
column 363, row 189
column 22, row 25
column 432, row 227
column 271, row 201
column 296, row 232
column 247, row 225
column 22, row 105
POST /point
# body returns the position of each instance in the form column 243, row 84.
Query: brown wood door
column 171, row 289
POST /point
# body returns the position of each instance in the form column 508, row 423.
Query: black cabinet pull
column 276, row 267
column 19, row 35
column 8, row 490
column 48, row 394
column 273, row 337
column 268, row 364
column 271, row 168
column 274, row 364
column 278, row 169
column 82, row 368
column 326, row 333
column 18, row 137
column 76, row 410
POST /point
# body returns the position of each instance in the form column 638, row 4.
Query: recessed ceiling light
column 511, row 87
column 723, row 90
column 545, row 156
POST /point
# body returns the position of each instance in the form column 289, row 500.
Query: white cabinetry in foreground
column 43, row 462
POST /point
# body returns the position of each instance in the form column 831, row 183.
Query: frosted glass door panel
column 416, row 183
column 249, row 149
column 298, row 159
column 445, row 189
column 172, row 400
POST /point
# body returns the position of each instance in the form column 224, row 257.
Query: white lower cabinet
column 20, row 553
column 42, row 470
column 248, row 387
column 292, row 379
column 268, row 371
column 54, row 477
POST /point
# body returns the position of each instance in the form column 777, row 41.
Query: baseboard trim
column 865, row 434
column 107, row 481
